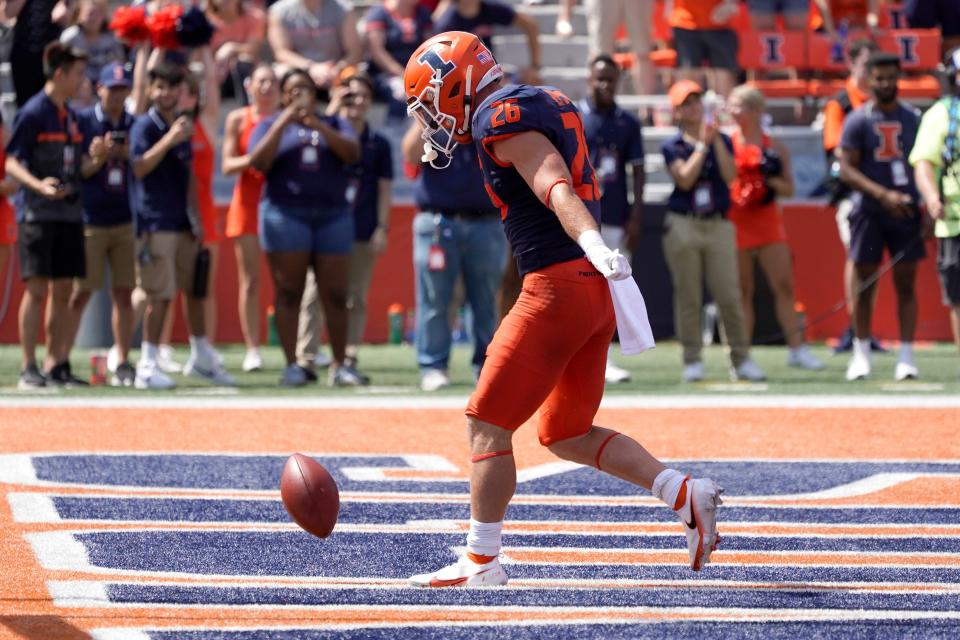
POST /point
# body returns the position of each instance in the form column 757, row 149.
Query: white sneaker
column 699, row 517
column 165, row 360
column 434, row 380
column 859, row 367
column 615, row 374
column 463, row 573
column 293, row 376
column 149, row 376
column 206, row 366
column 693, row 372
column 747, row 370
column 906, row 371
column 803, row 358
column 253, row 361
column 113, row 359
column 322, row 361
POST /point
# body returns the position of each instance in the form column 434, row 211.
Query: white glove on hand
column 610, row 262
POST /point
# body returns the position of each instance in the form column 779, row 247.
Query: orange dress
column 242, row 214
column 757, row 223
column 203, row 161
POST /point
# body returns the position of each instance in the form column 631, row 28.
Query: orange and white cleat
column 698, row 511
column 463, row 573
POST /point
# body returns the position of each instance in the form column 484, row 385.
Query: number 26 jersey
column 534, row 231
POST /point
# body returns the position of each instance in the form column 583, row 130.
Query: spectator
column 699, row 240
column 205, row 115
column 876, row 140
column 305, row 221
column 932, row 14
column 108, row 222
column 43, row 155
column 936, row 158
column 394, row 30
column 91, row 34
column 763, row 14
column 615, row 142
column 240, row 30
column 701, row 32
column 838, row 17
column 369, row 195
column 169, row 235
column 38, row 22
column 263, row 95
column 764, row 175
column 456, row 233
column 318, row 36
column 855, row 94
column 480, row 16
column 603, row 19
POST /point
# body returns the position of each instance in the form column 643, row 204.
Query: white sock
column 862, row 347
column 906, row 352
column 484, row 538
column 666, row 486
column 148, row 352
column 199, row 344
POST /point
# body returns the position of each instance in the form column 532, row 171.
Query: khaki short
column 167, row 264
column 109, row 244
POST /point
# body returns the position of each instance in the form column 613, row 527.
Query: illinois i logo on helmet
column 441, row 80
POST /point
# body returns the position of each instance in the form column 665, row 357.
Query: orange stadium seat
column 765, row 51
column 893, row 16
column 823, row 56
column 919, row 49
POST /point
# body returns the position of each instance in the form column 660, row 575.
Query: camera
column 118, row 137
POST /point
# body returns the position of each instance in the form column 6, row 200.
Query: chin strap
column 429, row 153
column 467, row 102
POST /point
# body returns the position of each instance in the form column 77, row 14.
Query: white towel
column 632, row 322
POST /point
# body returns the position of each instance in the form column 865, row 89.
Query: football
column 310, row 495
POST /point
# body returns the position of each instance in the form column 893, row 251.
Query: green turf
column 393, row 370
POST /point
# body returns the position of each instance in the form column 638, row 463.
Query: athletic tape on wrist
column 546, row 199
column 480, row 457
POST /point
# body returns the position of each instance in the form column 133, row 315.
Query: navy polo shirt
column 305, row 172
column 159, row 199
column 403, row 35
column 376, row 164
column 459, row 187
column 106, row 202
column 676, row 148
column 47, row 142
column 481, row 25
column 614, row 141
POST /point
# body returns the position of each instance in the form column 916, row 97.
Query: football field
column 157, row 516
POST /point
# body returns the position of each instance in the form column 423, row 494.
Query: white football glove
column 609, row 262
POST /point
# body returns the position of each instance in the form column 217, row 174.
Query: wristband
column 590, row 238
column 700, row 146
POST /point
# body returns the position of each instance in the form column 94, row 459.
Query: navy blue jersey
column 47, row 142
column 535, row 234
column 614, row 141
column 481, row 25
column 305, row 172
column 159, row 199
column 376, row 164
column 710, row 182
column 106, row 202
column 403, row 35
column 884, row 141
column 458, row 187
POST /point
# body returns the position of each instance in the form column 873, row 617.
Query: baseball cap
column 113, row 75
column 682, row 90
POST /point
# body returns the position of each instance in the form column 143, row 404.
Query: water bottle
column 272, row 338
column 410, row 327
column 395, row 322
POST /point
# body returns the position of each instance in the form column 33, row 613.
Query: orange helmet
column 441, row 80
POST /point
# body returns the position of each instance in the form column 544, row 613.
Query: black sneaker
column 346, row 376
column 875, row 346
column 31, row 378
column 124, row 376
column 61, row 374
column 845, row 342
column 309, row 374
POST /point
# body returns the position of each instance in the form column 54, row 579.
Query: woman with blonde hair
column 763, row 175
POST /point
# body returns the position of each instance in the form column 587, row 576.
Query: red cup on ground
column 98, row 368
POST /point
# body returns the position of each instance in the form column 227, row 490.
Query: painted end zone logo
column 852, row 547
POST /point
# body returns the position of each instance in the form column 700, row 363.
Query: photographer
column 876, row 140
column 43, row 155
column 305, row 220
column 108, row 222
column 763, row 175
column 163, row 197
